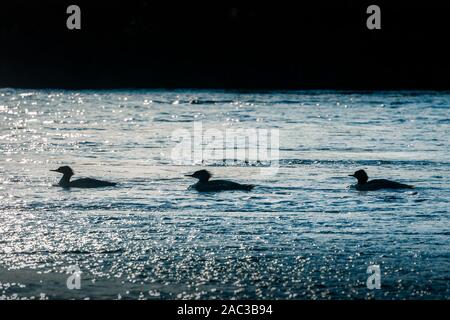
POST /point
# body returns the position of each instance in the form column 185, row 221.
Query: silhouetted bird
column 206, row 185
column 377, row 184
column 79, row 183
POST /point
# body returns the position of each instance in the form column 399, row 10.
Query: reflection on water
column 300, row 234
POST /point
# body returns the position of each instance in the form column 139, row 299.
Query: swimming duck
column 79, row 183
column 206, row 185
column 377, row 184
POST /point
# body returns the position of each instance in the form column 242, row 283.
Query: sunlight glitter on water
column 300, row 234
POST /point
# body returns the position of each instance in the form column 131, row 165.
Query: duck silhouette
column 365, row 185
column 204, row 183
column 79, row 183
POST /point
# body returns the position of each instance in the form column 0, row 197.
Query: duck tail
column 248, row 187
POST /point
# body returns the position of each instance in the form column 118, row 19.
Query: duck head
column 201, row 175
column 361, row 175
column 65, row 170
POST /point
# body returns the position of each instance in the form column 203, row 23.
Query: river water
column 300, row 234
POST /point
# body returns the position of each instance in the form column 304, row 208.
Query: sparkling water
column 300, row 234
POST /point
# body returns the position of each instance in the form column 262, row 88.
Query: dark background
column 273, row 45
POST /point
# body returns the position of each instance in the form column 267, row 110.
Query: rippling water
column 302, row 233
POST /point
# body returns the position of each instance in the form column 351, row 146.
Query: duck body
column 206, row 185
column 377, row 184
column 220, row 185
column 80, row 183
column 87, row 183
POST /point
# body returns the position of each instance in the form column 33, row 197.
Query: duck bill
column 189, row 175
column 54, row 170
column 351, row 175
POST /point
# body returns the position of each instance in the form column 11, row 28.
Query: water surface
column 301, row 234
